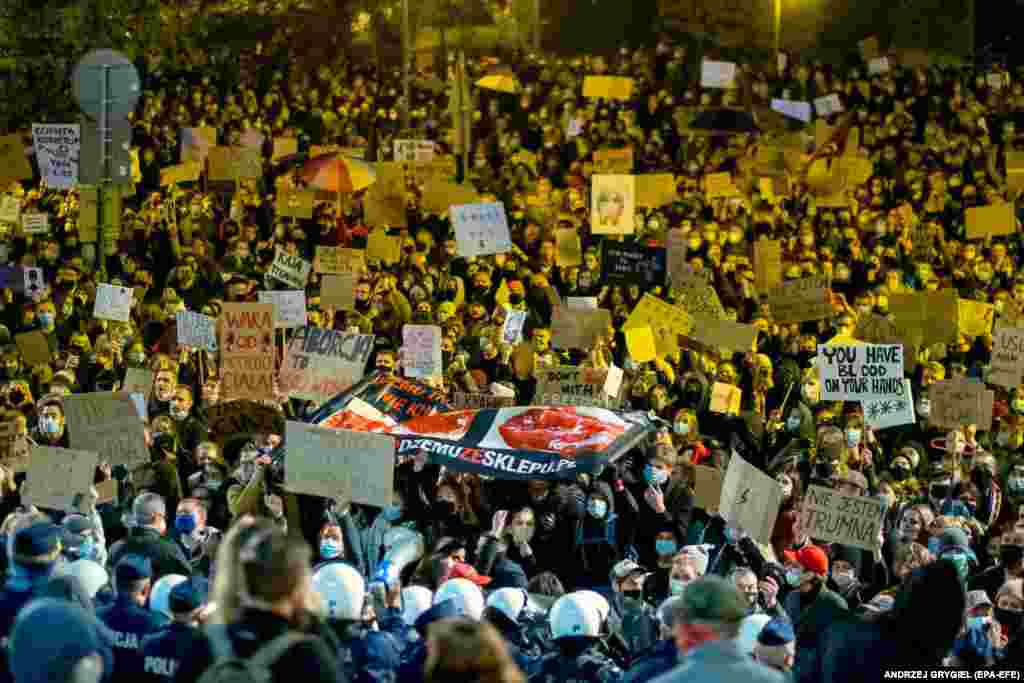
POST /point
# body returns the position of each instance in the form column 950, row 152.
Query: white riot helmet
column 509, row 601
column 576, row 614
column 160, row 595
column 750, row 629
column 415, row 601
column 469, row 599
column 343, row 591
column 91, row 575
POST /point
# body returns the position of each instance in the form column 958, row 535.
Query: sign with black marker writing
column 838, row 518
column 750, row 499
column 859, row 372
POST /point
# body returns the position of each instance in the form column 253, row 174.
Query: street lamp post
column 777, row 23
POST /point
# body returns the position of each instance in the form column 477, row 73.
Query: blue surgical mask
column 665, row 546
column 653, row 475
column 793, row 577
column 392, row 513
column 853, row 438
column 978, row 622
column 677, row 586
column 329, row 549
column 682, row 428
column 793, row 423
column 933, row 545
column 46, row 320
column 49, row 425
column 185, row 524
column 597, row 508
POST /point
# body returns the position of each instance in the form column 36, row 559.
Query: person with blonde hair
column 469, row 652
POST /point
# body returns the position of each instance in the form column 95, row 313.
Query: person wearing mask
column 56, row 641
column 506, row 610
column 761, row 596
column 165, row 383
column 664, row 656
column 33, row 552
column 128, row 619
column 210, row 483
column 189, row 430
column 1011, row 565
column 812, row 608
column 83, row 539
column 661, row 499
column 197, row 539
column 595, row 548
column 638, row 620
column 707, row 620
column 248, row 491
column 147, row 538
column 50, row 429
column 578, row 622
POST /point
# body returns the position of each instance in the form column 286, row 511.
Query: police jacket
column 164, row 650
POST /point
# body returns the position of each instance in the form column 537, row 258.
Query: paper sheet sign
column 992, row 220
column 248, row 353
column 56, row 476
column 835, row 517
column 196, row 330
column 719, row 185
column 342, row 465
column 707, row 487
column 725, row 399
column 717, row 74
column 421, row 351
column 666, row 323
column 725, row 334
column 613, row 381
column 884, row 413
column 700, row 299
column 797, row 301
column 33, row 347
column 289, row 305
column 196, row 143
column 319, row 364
column 107, row 423
column 958, row 402
column 608, row 87
column 655, row 189
column 828, row 105
column 578, row 328
column 1007, row 366
column 383, row 247
column 481, row 229
column 801, row 111
column 750, row 499
column 569, row 251
column 640, row 343
column 512, row 330
column 10, row 209
column 35, row 285
column 412, row 151
column 860, row 372
column 679, row 271
column 35, row 223
column 13, row 163
column 295, row 204
column 113, row 303
column 290, row 269
column 585, row 302
column 613, row 204
column 284, row 147
column 58, row 147
column 767, row 264
column 339, row 260
column 976, row 317
column 573, row 386
column 339, row 291
column 878, row 65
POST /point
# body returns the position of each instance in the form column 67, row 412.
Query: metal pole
column 406, row 66
column 101, row 253
column 465, row 112
column 777, row 24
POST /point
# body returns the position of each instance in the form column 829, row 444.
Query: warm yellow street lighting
column 778, row 24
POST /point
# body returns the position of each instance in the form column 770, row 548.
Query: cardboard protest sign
column 138, row 381
column 33, row 347
column 339, row 290
column 828, row 105
column 347, row 466
column 608, row 87
column 462, row 400
column 613, row 204
column 884, row 413
column 107, row 423
column 726, row 334
column 233, row 164
column 835, row 517
column 707, row 486
column 35, row 223
column 10, row 209
column 581, row 301
column 196, row 330
column 383, row 247
column 187, row 172
column 196, row 143
column 57, row 476
column 717, row 74
column 13, row 163
column 247, row 351
column 630, row 264
column 421, row 351
column 720, row 185
column 655, row 189
column 339, row 260
column 413, row 151
column 725, row 399
column 113, row 302
column 512, row 330
column 14, row 445
column 801, row 111
column 666, row 322
column 289, row 307
column 750, row 499
column 295, row 204
column 679, row 270
column 320, row 364
column 1007, row 365
column 700, row 299
column 385, row 209
column 284, row 147
column 958, row 402
column 992, row 220
column 572, row 386
column 975, row 317
column 438, row 195
column 859, row 372
column 481, row 229
column 290, row 269
column 641, row 344
column 797, row 301
column 569, row 251
column 578, row 328
column 618, row 161
column 926, row 315
column 58, row 147
column 767, row 264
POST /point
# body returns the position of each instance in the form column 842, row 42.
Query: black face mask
column 899, row 473
column 445, row 509
column 1011, row 555
column 1009, row 618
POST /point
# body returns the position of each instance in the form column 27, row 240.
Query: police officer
column 578, row 622
column 34, row 554
column 365, row 655
column 163, row 650
column 128, row 618
column 505, row 610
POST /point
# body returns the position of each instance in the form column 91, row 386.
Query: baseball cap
column 978, row 598
column 813, row 559
column 778, row 631
column 462, row 570
column 625, row 568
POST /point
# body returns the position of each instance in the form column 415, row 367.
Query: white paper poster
column 290, row 306
column 421, row 351
column 613, row 380
column 750, row 499
column 10, row 209
column 794, row 110
column 197, row 330
column 860, row 372
column 35, row 223
column 612, row 204
column 344, row 465
column 588, row 302
column 113, row 303
column 421, row 151
column 884, row 413
column 512, row 330
column 289, row 269
column 835, row 517
column 828, row 105
column 57, row 149
column 717, row 74
column 481, row 229
column 574, row 129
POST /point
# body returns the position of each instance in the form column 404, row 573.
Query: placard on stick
column 320, row 364
column 339, row 464
column 992, row 220
column 577, row 328
column 958, row 402
column 248, row 356
column 339, row 290
column 33, row 347
column 891, row 412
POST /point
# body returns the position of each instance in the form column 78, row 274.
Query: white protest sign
column 414, row 151
column 35, row 286
column 57, row 149
column 717, row 74
column 1007, row 365
column 35, row 223
column 421, row 351
column 884, row 413
column 878, row 65
column 10, row 209
column 481, row 229
column 320, row 364
column 138, row 381
column 56, row 476
column 113, row 303
column 356, row 467
column 794, row 110
column 581, row 302
column 828, row 105
column 197, row 330
column 289, row 269
column 858, row 372
column 290, row 306
column 838, row 518
column 750, row 499
column 512, row 330
column 613, row 381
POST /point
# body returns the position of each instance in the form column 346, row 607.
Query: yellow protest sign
column 640, row 342
column 569, row 250
column 655, row 189
column 284, row 147
column 992, row 220
column 438, row 195
column 608, row 87
column 822, row 133
column 725, row 399
column 666, row 322
column 855, row 170
column 720, row 185
column 975, row 317
column 383, row 247
column 613, row 161
column 187, row 172
column 339, row 260
column 295, row 204
column 1015, row 170
column 13, row 163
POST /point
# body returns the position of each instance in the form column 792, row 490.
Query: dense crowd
column 207, row 569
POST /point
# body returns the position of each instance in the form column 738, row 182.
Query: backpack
column 228, row 668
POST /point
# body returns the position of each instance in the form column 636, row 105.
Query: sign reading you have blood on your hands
column 859, row 372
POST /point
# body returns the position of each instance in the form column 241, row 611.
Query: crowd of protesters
column 209, row 571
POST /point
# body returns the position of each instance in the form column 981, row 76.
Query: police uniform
column 364, row 655
column 128, row 622
column 163, row 651
column 579, row 660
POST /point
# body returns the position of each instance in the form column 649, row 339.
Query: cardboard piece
column 720, row 185
column 767, row 264
column 14, row 165
column 608, row 87
column 289, row 307
column 750, row 499
column 578, row 328
column 679, row 271
column 438, row 195
column 707, row 487
column 724, row 334
column 618, row 161
column 295, row 204
column 569, row 250
column 958, row 402
column 655, row 189
column 725, row 399
column 138, row 381
column 992, row 220
column 319, row 364
column 339, row 291
column 481, row 229
column 797, row 301
column 717, row 74
column 233, row 164
column 196, row 330
column 196, row 143
column 835, row 517
column 10, row 210
column 573, row 386
column 34, row 348
column 57, row 476
column 339, row 260
column 290, row 269
column 975, row 317
column 113, row 302
column 421, row 351
column 284, row 147
column 383, row 247
column 35, row 223
column 414, row 151
column 107, row 423
column 666, row 322
column 891, row 412
column 860, row 372
column 1007, row 366
column 248, row 352
column 343, row 465
column 640, row 343
column 187, row 172
column 700, row 299
column 932, row 316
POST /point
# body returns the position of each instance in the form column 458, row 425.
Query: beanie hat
column 813, row 559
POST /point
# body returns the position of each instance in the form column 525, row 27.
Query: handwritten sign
column 828, row 105
column 10, row 209
column 1007, row 366
column 975, row 317
column 578, row 328
column 655, row 189
column 35, row 223
column 58, row 147
column 247, row 351
column 700, row 299
column 767, row 264
column 481, row 229
column 113, row 303
column 569, row 251
column 383, row 247
column 798, row 301
column 421, row 351
column 859, row 372
column 926, row 315
column 512, row 330
column 56, row 476
column 187, row 172
column 992, row 220
column 666, row 322
column 750, row 499
column 289, row 306
column 339, row 291
column 958, row 402
column 835, row 517
column 726, row 334
column 725, row 399
column 13, row 163
column 462, row 400
column 295, row 204
column 414, row 151
column 339, row 260
column 801, row 111
column 884, row 413
column 633, row 265
column 717, row 74
column 290, row 269
column 320, row 364
column 284, row 147
column 718, row 185
column 618, row 161
column 339, row 464
column 679, row 270
column 196, row 330
column 107, row 423
column 573, row 386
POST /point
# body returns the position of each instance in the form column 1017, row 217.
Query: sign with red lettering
column 247, row 351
